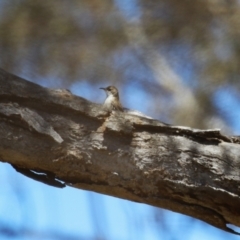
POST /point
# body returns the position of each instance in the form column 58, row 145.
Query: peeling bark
column 61, row 139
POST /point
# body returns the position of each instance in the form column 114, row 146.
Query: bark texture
column 61, row 139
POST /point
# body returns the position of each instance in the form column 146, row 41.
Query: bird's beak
column 102, row 88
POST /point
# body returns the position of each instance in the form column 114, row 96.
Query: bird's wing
column 117, row 107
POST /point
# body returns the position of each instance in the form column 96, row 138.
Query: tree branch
column 72, row 141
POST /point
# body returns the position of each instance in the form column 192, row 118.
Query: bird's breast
column 109, row 100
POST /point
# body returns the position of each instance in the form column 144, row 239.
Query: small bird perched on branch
column 112, row 101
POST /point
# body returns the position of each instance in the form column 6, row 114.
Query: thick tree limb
column 74, row 142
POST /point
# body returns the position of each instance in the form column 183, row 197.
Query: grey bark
column 61, row 139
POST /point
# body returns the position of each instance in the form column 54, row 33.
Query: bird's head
column 111, row 90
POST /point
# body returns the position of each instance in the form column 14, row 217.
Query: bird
column 112, row 102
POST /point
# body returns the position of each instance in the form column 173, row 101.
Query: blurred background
column 177, row 61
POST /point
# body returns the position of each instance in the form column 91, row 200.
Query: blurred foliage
column 179, row 52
